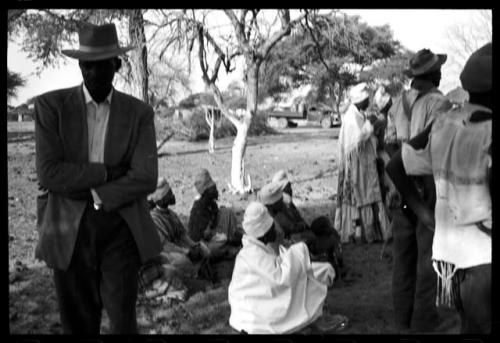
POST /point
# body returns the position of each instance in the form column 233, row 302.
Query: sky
column 415, row 29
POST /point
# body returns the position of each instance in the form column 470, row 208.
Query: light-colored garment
column 400, row 127
column 457, row 156
column 97, row 125
column 276, row 294
column 358, row 192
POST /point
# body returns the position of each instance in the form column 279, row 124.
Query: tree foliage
column 323, row 53
column 14, row 82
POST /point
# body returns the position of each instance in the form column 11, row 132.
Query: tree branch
column 286, row 27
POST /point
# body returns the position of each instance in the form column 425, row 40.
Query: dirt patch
column 309, row 157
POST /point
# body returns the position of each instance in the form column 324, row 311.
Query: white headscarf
column 256, row 220
column 359, row 93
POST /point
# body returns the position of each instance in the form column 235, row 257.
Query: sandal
column 328, row 323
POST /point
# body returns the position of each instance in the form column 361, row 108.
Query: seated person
column 275, row 290
column 180, row 258
column 289, row 220
column 215, row 226
column 279, row 177
column 326, row 245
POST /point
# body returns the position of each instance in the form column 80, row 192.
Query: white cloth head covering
column 381, row 97
column 161, row 191
column 280, row 176
column 256, row 220
column 203, row 181
column 359, row 93
column 271, row 192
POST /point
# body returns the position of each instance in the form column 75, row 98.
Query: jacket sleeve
column 141, row 178
column 54, row 173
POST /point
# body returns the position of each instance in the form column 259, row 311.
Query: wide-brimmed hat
column 203, row 181
column 476, row 76
column 256, row 221
column 97, row 42
column 423, row 62
column 161, row 191
column 359, row 92
column 271, row 192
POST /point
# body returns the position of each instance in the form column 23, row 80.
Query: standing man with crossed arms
column 96, row 161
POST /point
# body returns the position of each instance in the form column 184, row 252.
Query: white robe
column 271, row 294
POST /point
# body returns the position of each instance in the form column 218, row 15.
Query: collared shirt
column 424, row 109
column 97, row 124
column 457, row 156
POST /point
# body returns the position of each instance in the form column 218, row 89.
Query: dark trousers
column 414, row 279
column 102, row 273
column 473, row 298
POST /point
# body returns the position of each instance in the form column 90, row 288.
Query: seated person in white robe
column 274, row 290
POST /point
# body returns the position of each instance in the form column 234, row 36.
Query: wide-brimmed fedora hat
column 423, row 62
column 97, row 42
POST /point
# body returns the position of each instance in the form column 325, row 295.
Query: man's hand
column 208, row 234
column 115, row 172
column 372, row 118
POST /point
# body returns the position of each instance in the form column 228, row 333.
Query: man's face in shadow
column 98, row 76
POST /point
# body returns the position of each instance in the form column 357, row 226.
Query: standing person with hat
column 216, row 226
column 413, row 284
column 274, row 290
column 96, row 161
column 456, row 149
column 360, row 214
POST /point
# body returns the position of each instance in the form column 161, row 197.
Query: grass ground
column 308, row 155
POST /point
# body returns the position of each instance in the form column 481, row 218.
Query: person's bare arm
column 396, row 171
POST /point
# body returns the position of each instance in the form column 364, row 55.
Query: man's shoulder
column 132, row 102
column 58, row 94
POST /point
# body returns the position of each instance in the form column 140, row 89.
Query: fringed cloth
column 448, row 291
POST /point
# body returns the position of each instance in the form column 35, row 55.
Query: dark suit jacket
column 63, row 168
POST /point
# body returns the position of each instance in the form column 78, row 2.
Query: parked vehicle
column 317, row 113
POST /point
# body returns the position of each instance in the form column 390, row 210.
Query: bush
column 196, row 128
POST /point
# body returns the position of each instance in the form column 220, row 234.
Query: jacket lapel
column 118, row 127
column 74, row 125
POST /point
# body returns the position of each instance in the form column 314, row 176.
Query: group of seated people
column 281, row 262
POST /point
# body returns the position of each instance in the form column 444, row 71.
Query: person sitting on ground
column 275, row 290
column 163, row 276
column 281, row 176
column 289, row 221
column 216, row 226
column 291, row 226
column 326, row 245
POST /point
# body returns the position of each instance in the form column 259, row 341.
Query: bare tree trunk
column 238, row 182
column 240, row 142
column 209, row 117
column 139, row 55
